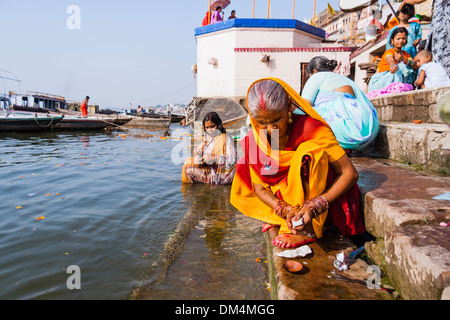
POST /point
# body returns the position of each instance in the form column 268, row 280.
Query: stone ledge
column 399, row 210
column 418, row 261
column 423, row 145
column 411, row 105
column 312, row 282
column 411, row 248
column 394, row 196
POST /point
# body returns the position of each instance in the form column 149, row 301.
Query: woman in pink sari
column 216, row 17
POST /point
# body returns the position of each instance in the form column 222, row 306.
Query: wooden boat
column 111, row 119
column 36, row 102
column 176, row 118
column 75, row 122
column 233, row 114
column 18, row 122
column 148, row 122
column 57, row 105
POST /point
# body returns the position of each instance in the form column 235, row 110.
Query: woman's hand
column 398, row 56
column 296, row 214
column 209, row 159
column 393, row 69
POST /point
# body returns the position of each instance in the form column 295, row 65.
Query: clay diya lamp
column 417, row 121
column 292, row 266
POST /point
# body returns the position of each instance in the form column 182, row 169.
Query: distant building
column 340, row 26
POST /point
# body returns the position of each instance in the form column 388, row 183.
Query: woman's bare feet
column 289, row 240
column 266, row 226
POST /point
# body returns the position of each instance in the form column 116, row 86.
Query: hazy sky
column 123, row 52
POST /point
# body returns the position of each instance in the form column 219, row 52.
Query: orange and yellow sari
column 310, row 138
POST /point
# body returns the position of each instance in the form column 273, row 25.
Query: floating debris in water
column 40, row 218
column 19, row 207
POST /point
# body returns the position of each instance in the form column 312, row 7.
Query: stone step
column 395, row 196
column 426, row 145
column 418, row 261
column 316, row 281
column 411, row 247
column 411, row 105
column 399, row 210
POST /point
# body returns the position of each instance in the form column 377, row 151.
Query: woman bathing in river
column 293, row 168
column 214, row 160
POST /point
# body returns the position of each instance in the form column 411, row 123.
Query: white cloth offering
column 294, row 253
column 296, row 223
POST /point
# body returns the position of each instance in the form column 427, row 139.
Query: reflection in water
column 211, row 255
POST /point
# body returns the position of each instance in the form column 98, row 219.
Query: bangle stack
column 282, row 208
column 318, row 205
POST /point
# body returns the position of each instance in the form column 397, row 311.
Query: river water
column 113, row 206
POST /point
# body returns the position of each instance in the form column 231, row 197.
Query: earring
column 289, row 118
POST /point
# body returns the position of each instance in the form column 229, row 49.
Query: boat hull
column 177, row 118
column 79, row 123
column 28, row 124
column 148, row 123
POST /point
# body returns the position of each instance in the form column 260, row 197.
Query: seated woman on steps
column 294, row 168
column 396, row 66
column 341, row 103
column 214, row 160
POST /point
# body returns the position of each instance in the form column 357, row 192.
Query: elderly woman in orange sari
column 294, row 174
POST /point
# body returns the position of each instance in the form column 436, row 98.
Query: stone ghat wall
column 425, row 145
column 411, row 105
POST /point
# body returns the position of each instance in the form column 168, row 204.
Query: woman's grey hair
column 267, row 95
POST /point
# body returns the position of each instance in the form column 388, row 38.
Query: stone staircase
column 425, row 145
column 407, row 169
column 401, row 174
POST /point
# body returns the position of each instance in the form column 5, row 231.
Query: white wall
column 215, row 81
column 235, row 71
column 283, row 65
